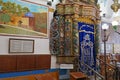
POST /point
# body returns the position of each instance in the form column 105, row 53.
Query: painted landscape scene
column 24, row 18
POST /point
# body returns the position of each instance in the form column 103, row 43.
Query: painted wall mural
column 23, row 18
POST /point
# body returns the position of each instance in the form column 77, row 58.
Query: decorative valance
column 80, row 9
column 85, row 20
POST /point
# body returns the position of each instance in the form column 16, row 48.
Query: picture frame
column 26, row 18
column 21, row 45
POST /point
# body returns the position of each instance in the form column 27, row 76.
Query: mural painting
column 23, row 18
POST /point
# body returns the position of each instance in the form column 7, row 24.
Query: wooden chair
column 77, row 76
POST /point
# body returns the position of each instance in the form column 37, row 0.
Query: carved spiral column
column 62, row 35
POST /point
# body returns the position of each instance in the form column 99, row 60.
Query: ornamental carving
column 84, row 10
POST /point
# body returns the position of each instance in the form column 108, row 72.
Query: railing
column 96, row 74
column 113, row 72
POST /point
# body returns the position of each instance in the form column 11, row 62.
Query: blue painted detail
column 63, row 71
column 15, row 74
column 64, row 74
column 29, row 14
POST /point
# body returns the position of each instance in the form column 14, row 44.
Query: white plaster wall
column 39, row 1
column 53, row 62
column 41, row 45
column 113, row 42
column 54, row 3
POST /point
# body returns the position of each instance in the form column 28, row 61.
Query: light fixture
column 114, row 23
column 49, row 2
column 115, row 6
column 105, row 27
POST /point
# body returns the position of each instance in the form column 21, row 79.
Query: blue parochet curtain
column 86, row 42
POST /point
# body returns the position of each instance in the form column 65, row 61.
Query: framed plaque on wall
column 21, row 45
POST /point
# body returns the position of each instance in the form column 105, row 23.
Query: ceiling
column 105, row 8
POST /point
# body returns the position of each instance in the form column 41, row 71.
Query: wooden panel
column 7, row 63
column 13, row 63
column 25, row 62
column 65, row 59
column 43, row 61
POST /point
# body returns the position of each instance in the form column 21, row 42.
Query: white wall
column 113, row 42
column 53, row 62
column 41, row 45
column 54, row 3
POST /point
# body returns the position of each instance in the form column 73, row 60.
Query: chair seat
column 77, row 76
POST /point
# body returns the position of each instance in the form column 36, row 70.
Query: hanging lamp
column 115, row 6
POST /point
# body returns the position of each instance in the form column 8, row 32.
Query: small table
column 77, row 76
